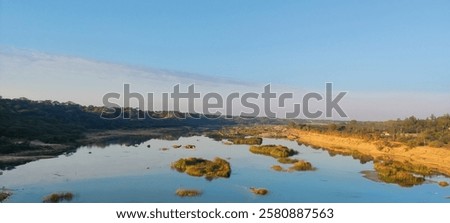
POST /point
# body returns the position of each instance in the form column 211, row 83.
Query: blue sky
column 361, row 46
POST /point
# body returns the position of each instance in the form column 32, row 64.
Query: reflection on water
column 124, row 173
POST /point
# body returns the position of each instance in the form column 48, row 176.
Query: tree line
column 432, row 131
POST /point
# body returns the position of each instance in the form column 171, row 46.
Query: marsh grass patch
column 4, row 196
column 199, row 167
column 301, row 165
column 58, row 197
column 403, row 174
column 259, row 191
column 276, row 151
column 278, row 168
column 247, row 141
column 181, row 192
column 285, row 160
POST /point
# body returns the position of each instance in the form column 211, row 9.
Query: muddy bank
column 39, row 150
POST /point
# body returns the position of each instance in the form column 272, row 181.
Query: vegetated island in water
column 276, row 151
column 58, row 197
column 199, row 167
column 4, row 195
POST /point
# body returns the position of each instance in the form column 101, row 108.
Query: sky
column 389, row 55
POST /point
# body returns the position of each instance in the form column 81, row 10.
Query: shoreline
column 437, row 159
column 39, row 150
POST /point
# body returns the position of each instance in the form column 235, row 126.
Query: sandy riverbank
column 437, row 159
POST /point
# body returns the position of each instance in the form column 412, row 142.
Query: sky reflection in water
column 140, row 174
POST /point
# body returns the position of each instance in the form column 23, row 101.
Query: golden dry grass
column 435, row 159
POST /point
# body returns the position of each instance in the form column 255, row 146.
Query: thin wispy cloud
column 38, row 75
column 41, row 76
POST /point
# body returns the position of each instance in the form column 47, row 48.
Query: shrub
column 436, row 144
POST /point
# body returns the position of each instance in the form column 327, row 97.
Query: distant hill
column 23, row 120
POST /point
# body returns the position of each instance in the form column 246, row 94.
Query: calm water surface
column 139, row 174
